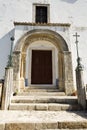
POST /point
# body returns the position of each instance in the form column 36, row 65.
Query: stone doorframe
column 64, row 58
column 42, row 45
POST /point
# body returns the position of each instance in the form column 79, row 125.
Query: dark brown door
column 41, row 72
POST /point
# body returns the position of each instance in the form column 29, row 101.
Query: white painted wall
column 61, row 11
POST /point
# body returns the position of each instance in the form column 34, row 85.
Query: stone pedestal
column 81, row 90
column 65, row 72
column 7, row 88
column 68, row 74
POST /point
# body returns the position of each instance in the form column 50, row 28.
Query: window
column 41, row 14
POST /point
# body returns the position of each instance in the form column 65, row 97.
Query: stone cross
column 78, row 58
column 76, row 35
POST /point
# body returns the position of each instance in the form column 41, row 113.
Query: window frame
column 43, row 5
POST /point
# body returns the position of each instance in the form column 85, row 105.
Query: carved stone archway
column 65, row 81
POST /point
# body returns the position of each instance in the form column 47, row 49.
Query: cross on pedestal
column 81, row 91
column 78, row 58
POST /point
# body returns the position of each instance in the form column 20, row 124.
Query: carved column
column 21, row 72
column 16, row 70
column 61, row 70
column 69, row 88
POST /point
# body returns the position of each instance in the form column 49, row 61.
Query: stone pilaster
column 68, row 82
column 22, row 76
column 16, row 70
column 7, row 88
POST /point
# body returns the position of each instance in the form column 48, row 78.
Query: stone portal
column 43, row 52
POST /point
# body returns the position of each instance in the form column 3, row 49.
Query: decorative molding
column 39, row 37
column 40, row 34
column 42, row 24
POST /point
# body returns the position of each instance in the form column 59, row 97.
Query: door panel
column 41, row 72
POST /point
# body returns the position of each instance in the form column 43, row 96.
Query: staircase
column 47, row 109
column 43, row 100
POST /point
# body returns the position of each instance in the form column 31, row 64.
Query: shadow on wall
column 69, row 1
column 5, row 46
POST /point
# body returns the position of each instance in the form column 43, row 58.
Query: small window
column 41, row 14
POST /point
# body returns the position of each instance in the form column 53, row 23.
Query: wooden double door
column 41, row 70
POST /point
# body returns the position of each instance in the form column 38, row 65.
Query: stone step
column 42, row 120
column 44, row 99
column 41, row 89
column 65, row 129
column 41, row 93
column 44, row 106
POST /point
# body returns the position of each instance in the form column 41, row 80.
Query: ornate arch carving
column 38, row 34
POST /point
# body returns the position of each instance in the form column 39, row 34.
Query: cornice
column 42, row 24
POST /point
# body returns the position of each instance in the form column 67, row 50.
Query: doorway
column 41, row 68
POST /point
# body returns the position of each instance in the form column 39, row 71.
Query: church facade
column 43, row 50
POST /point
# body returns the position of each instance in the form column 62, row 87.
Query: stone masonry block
column 2, row 126
column 44, row 126
column 72, row 125
column 53, row 107
column 20, row 126
column 41, row 107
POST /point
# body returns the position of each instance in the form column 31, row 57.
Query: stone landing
column 42, row 120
